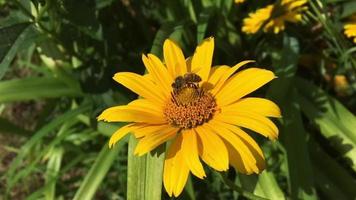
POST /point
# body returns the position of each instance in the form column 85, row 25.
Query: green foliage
column 57, row 60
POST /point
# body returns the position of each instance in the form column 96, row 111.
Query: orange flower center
column 190, row 105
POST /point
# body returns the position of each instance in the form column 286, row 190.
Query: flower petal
column 148, row 106
column 202, row 58
column 190, row 153
column 216, row 73
column 242, row 84
column 252, row 121
column 141, row 86
column 151, row 141
column 212, row 149
column 174, row 58
column 260, row 106
column 250, row 143
column 236, row 161
column 148, row 130
column 137, row 111
column 158, row 72
column 176, row 171
column 246, row 155
column 219, row 79
column 123, row 131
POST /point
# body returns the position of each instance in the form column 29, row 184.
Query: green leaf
column 348, row 9
column 331, row 178
column 241, row 191
column 292, row 134
column 294, row 139
column 264, row 185
column 189, row 189
column 284, row 64
column 11, row 39
column 335, row 122
column 188, row 4
column 53, row 169
column 203, row 20
column 98, row 171
column 35, row 88
column 144, row 176
column 163, row 33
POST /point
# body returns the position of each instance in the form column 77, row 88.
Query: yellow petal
column 146, row 105
column 219, row 79
column 216, row 73
column 134, row 112
column 158, row 72
column 242, row 84
column 151, row 141
column 141, row 86
column 246, row 155
column 236, row 161
column 202, row 58
column 174, row 58
column 121, row 132
column 190, row 153
column 260, row 106
column 142, row 132
column 212, row 149
column 250, row 143
column 176, row 171
column 252, row 121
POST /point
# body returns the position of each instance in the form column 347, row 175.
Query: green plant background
column 57, row 58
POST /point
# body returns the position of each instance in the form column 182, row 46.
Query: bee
column 188, row 84
column 192, row 78
column 178, row 83
column 188, row 80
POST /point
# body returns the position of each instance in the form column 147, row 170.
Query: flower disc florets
column 189, row 105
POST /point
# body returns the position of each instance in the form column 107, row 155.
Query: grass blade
column 101, row 166
column 53, row 168
column 11, row 38
column 34, row 88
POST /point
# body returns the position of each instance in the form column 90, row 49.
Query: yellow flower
column 200, row 109
column 239, row 1
column 274, row 16
column 350, row 28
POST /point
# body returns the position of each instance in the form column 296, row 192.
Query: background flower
column 350, row 28
column 272, row 18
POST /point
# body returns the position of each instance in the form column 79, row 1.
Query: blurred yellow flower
column 274, row 16
column 350, row 28
column 200, row 109
column 239, row 1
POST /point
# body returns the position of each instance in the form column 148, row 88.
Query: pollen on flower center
column 189, row 105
